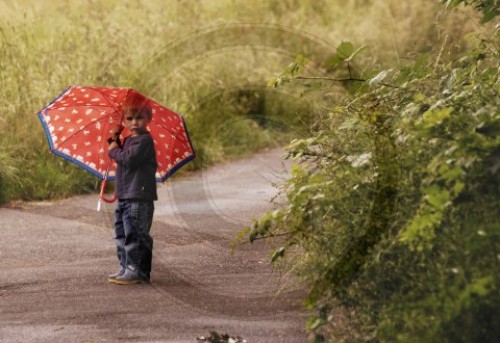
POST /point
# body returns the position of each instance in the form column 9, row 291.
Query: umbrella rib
column 108, row 100
column 109, row 105
column 82, row 105
column 104, row 96
column 173, row 133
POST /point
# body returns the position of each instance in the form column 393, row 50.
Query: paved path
column 55, row 256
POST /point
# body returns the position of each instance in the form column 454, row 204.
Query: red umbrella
column 80, row 120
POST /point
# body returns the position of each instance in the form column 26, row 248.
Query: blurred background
column 209, row 60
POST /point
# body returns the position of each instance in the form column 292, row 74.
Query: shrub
column 392, row 212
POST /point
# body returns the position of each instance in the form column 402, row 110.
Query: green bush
column 392, row 212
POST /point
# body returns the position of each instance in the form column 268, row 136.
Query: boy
column 136, row 191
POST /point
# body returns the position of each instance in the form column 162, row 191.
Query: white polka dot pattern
column 79, row 122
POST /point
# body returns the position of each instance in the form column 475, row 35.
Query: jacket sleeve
column 136, row 152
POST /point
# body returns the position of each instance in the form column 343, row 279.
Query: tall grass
column 215, row 77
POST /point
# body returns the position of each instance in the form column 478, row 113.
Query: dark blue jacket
column 135, row 173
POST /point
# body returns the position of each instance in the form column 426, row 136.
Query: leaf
column 345, row 50
column 295, row 68
column 451, row 3
column 479, row 287
column 450, row 175
column 379, row 77
column 436, row 116
column 420, row 231
column 458, row 188
column 360, row 160
column 272, row 83
column 419, row 97
column 316, row 323
column 280, row 252
column 301, row 60
column 437, row 197
column 333, row 61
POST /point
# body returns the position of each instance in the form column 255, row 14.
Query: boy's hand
column 112, row 145
column 114, row 141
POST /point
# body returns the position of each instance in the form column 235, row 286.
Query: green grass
column 209, row 60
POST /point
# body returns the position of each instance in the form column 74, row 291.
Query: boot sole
column 126, row 282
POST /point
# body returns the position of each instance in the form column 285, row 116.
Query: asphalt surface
column 55, row 258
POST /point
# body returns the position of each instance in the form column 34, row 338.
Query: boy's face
column 136, row 122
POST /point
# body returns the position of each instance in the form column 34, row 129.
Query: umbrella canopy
column 80, row 120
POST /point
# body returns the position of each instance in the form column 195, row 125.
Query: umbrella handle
column 101, row 195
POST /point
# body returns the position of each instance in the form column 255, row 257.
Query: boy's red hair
column 137, row 103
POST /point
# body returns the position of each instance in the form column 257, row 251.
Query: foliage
column 203, row 59
column 489, row 8
column 392, row 208
column 8, row 171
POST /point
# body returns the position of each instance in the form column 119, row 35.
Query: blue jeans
column 134, row 245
